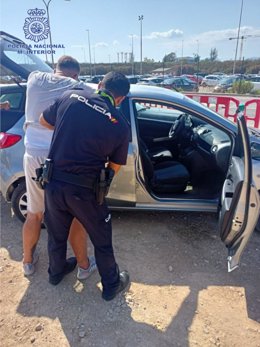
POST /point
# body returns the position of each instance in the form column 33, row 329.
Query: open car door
column 240, row 202
column 18, row 58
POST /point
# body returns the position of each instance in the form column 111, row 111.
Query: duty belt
column 78, row 180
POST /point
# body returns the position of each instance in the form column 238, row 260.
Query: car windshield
column 170, row 80
column 227, row 80
column 186, row 79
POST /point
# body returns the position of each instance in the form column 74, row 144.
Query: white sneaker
column 83, row 274
column 29, row 268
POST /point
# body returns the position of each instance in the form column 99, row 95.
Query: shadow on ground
column 178, row 269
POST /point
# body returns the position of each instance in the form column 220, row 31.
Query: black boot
column 123, row 283
column 69, row 267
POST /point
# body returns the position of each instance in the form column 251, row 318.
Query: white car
column 152, row 81
column 211, row 80
column 255, row 80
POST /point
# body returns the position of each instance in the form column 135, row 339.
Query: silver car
column 182, row 157
column 211, row 80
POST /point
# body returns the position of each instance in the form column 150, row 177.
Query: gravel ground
column 180, row 292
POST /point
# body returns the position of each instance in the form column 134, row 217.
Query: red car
column 194, row 78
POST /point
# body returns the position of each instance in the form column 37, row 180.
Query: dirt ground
column 180, row 293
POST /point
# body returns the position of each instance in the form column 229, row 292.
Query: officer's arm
column 114, row 166
column 44, row 123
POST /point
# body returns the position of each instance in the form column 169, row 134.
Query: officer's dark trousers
column 63, row 202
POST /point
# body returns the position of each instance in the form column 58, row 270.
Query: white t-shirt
column 43, row 89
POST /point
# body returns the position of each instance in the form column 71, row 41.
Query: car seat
column 164, row 177
column 156, row 155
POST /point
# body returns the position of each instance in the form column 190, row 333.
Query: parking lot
column 180, row 293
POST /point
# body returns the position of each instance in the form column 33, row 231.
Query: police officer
column 89, row 136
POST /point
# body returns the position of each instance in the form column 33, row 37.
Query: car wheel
column 19, row 201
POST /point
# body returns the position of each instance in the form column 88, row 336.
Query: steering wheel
column 177, row 127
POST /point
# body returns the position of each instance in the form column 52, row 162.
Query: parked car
column 255, row 80
column 211, row 80
column 84, row 78
column 151, row 81
column 190, row 77
column 195, row 78
column 94, row 79
column 221, row 74
column 198, row 78
column 133, row 79
column 225, row 84
column 180, row 83
column 182, row 156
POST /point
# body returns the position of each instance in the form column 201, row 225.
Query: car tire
column 19, row 201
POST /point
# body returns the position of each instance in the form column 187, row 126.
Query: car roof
column 151, row 78
column 212, row 76
column 153, row 92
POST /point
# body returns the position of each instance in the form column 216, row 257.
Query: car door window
column 155, row 111
column 14, row 99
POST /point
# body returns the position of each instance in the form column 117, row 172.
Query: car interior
column 180, row 154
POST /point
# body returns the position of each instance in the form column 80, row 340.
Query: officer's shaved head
column 116, row 83
column 67, row 66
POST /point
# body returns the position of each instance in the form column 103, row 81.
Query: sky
column 109, row 28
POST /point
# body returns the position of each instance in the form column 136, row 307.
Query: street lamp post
column 181, row 55
column 94, row 60
column 48, row 16
column 198, row 63
column 140, row 18
column 238, row 33
column 242, row 38
column 132, row 55
column 84, row 55
column 46, row 56
column 89, row 52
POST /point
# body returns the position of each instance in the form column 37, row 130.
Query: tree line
column 205, row 66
